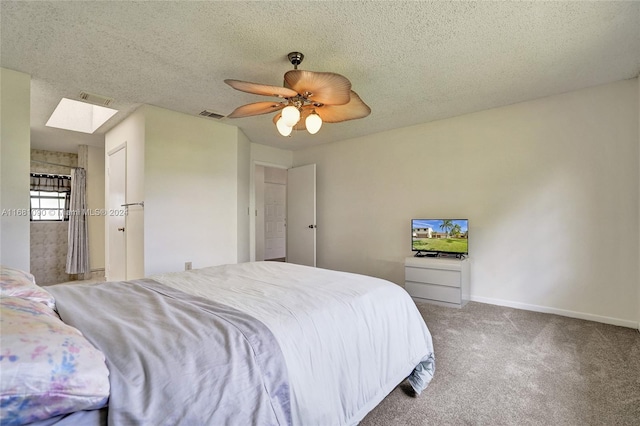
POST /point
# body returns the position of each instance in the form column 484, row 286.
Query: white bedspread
column 347, row 339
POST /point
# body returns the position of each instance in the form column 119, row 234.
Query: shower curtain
column 78, row 254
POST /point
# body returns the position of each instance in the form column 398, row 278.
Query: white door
column 301, row 215
column 275, row 204
column 116, row 231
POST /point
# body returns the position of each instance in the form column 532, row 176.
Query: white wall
column 15, row 146
column 638, row 83
column 550, row 188
column 190, row 191
column 266, row 155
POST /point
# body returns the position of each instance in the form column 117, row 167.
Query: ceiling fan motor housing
column 295, row 58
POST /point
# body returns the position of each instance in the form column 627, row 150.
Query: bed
column 252, row 343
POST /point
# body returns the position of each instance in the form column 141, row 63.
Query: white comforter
column 347, row 339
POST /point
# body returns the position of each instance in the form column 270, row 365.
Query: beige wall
column 258, row 191
column 95, row 202
column 15, row 145
column 244, row 174
column 550, row 188
column 192, row 175
column 190, row 191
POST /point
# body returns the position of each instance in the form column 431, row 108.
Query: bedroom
column 546, row 181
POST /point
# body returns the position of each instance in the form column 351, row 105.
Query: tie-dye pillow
column 17, row 283
column 47, row 368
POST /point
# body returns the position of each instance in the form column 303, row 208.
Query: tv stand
column 438, row 280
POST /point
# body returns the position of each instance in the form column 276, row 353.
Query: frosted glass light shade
column 290, row 115
column 313, row 123
column 283, row 128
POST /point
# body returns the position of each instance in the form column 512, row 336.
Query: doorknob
column 312, row 226
column 121, row 229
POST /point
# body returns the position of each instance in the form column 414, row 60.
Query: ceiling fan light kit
column 290, row 115
column 313, row 123
column 283, row 128
column 309, row 99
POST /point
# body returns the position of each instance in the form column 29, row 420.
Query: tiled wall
column 49, row 239
column 49, row 252
column 68, row 158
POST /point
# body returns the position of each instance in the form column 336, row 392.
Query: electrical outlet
column 187, row 266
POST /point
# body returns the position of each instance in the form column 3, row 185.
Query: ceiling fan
column 308, row 99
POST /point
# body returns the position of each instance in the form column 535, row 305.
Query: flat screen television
column 432, row 237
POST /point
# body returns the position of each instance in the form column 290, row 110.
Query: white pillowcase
column 17, row 283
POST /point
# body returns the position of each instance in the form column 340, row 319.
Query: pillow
column 47, row 368
column 17, row 283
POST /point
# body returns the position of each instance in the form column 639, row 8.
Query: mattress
column 347, row 339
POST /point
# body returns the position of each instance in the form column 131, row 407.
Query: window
column 47, row 205
column 49, row 197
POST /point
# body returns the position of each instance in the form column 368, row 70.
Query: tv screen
column 440, row 236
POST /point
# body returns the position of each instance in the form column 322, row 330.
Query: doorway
column 271, row 209
column 301, row 214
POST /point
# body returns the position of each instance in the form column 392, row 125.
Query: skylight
column 79, row 116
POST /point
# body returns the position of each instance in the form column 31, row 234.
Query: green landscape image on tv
column 440, row 235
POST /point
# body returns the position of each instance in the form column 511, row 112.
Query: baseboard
column 562, row 312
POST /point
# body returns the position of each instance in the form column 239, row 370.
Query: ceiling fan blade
column 261, row 89
column 355, row 109
column 321, row 87
column 256, row 108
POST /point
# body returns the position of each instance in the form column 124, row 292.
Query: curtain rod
column 50, row 175
column 55, row 164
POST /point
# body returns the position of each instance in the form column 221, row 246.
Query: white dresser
column 437, row 280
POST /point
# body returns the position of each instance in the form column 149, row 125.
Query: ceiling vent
column 207, row 113
column 96, row 99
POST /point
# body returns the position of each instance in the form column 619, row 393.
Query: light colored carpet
column 503, row 366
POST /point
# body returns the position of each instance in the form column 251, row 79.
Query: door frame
column 252, row 203
column 106, row 203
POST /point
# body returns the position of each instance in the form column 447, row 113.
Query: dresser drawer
column 432, row 276
column 433, row 292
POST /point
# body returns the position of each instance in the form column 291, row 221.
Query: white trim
column 547, row 310
column 117, row 148
column 271, row 165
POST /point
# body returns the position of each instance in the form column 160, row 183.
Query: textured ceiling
column 411, row 62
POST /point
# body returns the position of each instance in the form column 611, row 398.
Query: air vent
column 96, row 99
column 207, row 113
